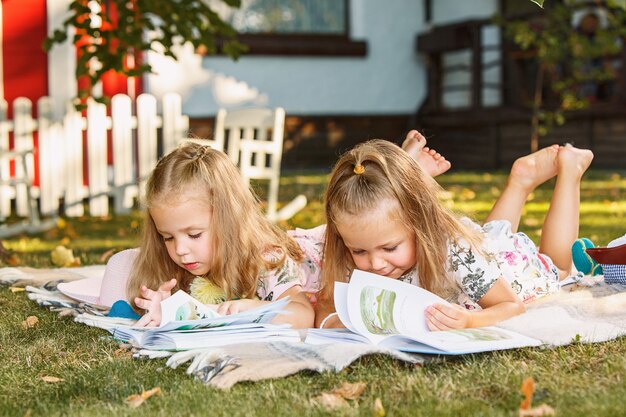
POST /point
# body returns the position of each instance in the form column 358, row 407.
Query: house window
column 328, row 17
column 293, row 27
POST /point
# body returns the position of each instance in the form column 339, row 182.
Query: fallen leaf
column 337, row 397
column 542, row 410
column 378, row 410
column 106, row 255
column 17, row 289
column 62, row 257
column 51, row 379
column 528, row 388
column 30, row 322
column 330, row 400
column 13, row 260
column 122, row 353
column 351, row 391
column 136, row 400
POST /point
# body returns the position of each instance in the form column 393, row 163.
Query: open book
column 390, row 313
column 188, row 324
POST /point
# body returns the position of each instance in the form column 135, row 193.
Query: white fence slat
column 175, row 125
column 50, row 155
column 23, row 140
column 97, row 125
column 72, row 184
column 6, row 191
column 147, row 123
column 122, row 135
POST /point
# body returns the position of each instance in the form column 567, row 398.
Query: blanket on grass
column 588, row 312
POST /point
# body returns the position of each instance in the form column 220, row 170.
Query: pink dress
column 272, row 284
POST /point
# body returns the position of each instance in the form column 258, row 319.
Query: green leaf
column 538, row 2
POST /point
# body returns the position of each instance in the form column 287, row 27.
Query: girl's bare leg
column 560, row 227
column 527, row 173
column 431, row 161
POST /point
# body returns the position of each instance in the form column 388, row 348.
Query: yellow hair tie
column 358, row 169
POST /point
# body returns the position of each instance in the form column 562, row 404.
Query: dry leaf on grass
column 330, row 400
column 62, row 257
column 17, row 289
column 528, row 389
column 51, row 379
column 542, row 410
column 13, row 260
column 136, row 400
column 106, row 255
column 525, row 410
column 351, row 391
column 337, row 398
column 378, row 410
column 30, row 322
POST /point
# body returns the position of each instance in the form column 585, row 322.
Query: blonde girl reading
column 204, row 233
column 383, row 216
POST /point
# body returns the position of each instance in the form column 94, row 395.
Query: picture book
column 188, row 324
column 390, row 313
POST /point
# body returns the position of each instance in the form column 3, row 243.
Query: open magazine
column 188, row 324
column 390, row 313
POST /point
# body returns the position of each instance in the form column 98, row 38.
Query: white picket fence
column 61, row 154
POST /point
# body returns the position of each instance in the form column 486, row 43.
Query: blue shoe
column 582, row 261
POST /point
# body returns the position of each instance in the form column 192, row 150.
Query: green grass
column 575, row 380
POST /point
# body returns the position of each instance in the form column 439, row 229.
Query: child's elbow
column 520, row 307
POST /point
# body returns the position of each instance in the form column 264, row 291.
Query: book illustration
column 377, row 310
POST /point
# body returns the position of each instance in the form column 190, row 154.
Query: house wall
column 388, row 80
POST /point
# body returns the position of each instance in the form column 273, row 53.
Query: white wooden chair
column 10, row 187
column 253, row 138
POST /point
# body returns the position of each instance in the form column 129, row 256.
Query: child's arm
column 323, row 311
column 302, row 314
column 499, row 303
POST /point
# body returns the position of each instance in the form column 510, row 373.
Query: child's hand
column 152, row 306
column 165, row 290
column 236, row 306
column 446, row 317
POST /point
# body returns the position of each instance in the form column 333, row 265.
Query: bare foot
column 414, row 143
column 431, row 161
column 533, row 170
column 573, row 161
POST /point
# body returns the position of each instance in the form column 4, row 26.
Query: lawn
column 97, row 378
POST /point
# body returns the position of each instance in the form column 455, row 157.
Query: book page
column 341, row 304
column 181, row 306
column 379, row 307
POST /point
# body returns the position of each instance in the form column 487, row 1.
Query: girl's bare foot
column 573, row 161
column 431, row 161
column 414, row 143
column 532, row 170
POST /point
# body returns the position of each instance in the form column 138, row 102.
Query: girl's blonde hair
column 243, row 240
column 370, row 173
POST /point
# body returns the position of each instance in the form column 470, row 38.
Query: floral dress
column 504, row 253
column 273, row 283
column 531, row 274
